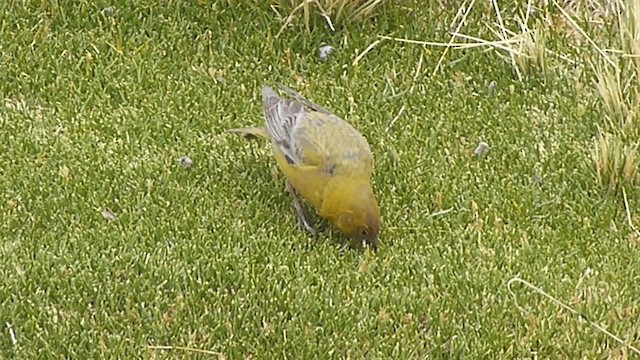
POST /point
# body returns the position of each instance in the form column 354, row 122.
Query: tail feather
column 251, row 132
column 281, row 116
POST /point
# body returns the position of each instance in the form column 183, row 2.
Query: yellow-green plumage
column 326, row 160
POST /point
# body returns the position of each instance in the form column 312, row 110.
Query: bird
column 325, row 160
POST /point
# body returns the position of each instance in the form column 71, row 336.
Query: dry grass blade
column 307, row 14
column 496, row 44
column 366, row 9
column 615, row 153
column 453, row 37
column 480, row 42
column 291, row 16
column 610, row 90
column 504, row 37
column 566, row 307
column 616, row 162
column 365, row 51
column 628, row 211
column 522, row 48
column 334, row 12
column 585, row 35
column 630, row 164
column 532, row 44
column 533, row 48
column 183, row 348
column 629, row 29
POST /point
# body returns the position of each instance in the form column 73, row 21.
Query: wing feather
column 309, row 135
column 282, row 116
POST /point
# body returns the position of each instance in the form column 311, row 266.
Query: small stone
column 492, row 87
column 325, row 51
column 481, row 149
column 107, row 214
column 109, row 11
column 186, row 162
column 537, row 179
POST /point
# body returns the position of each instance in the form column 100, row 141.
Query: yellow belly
column 309, row 181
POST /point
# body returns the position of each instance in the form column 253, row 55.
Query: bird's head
column 364, row 227
column 357, row 215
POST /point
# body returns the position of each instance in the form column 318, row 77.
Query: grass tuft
column 615, row 150
column 532, row 49
column 616, row 161
column 334, row 12
column 617, row 107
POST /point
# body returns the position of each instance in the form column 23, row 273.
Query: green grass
column 97, row 110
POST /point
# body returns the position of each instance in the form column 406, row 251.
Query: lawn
column 112, row 247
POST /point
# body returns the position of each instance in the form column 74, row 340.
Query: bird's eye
column 364, row 231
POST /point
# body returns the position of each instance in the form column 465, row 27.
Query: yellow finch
column 325, row 160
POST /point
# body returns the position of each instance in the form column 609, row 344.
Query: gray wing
column 313, row 145
column 282, row 116
column 301, row 99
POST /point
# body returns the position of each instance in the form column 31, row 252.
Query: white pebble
column 492, row 87
column 186, row 161
column 107, row 214
column 325, row 51
column 108, row 11
column 481, row 149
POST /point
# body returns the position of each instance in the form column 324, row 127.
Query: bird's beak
column 371, row 244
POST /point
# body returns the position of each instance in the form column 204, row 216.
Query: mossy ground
column 98, row 106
